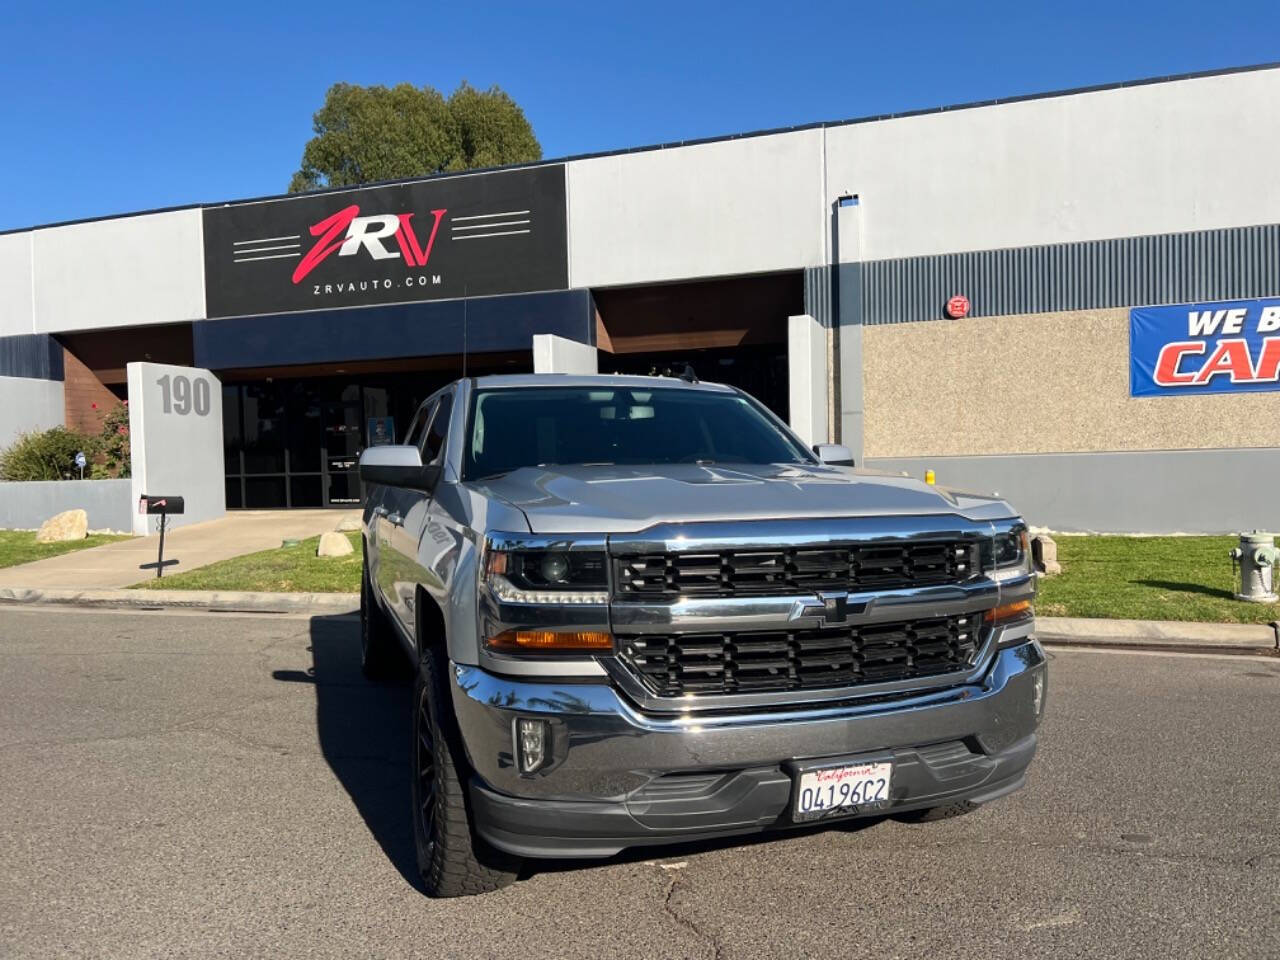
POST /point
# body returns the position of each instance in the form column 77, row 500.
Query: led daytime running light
column 508, row 592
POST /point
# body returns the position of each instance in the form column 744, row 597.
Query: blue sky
column 113, row 107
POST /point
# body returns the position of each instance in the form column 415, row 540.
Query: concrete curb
column 1157, row 634
column 1064, row 631
column 213, row 600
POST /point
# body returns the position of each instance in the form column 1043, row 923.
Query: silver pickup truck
column 641, row 611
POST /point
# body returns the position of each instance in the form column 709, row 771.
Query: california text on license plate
column 832, row 789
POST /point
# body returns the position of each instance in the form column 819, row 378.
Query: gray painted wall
column 24, row 506
column 1163, row 491
column 28, row 404
column 1087, row 166
column 712, row 209
column 16, row 316
column 118, row 273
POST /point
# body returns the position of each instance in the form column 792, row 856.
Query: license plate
column 842, row 789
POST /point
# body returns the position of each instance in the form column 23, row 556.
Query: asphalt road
column 224, row 785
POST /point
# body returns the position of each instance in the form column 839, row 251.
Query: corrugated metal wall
column 1207, row 265
column 33, row 355
column 819, row 295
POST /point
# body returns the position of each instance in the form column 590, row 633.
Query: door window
column 414, row 435
column 438, row 432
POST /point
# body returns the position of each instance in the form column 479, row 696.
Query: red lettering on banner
column 1268, row 360
column 327, row 229
column 1229, row 357
column 1171, row 354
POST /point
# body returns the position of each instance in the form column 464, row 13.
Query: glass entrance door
column 342, row 445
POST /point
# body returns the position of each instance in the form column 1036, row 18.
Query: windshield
column 540, row 426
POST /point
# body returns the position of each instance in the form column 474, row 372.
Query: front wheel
column 454, row 861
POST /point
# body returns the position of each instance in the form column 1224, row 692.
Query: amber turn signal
column 553, row 641
column 1007, row 611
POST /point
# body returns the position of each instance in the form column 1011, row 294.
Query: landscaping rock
column 334, row 544
column 68, row 525
column 348, row 525
column 1044, row 553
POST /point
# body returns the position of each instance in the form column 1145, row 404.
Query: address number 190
column 183, row 395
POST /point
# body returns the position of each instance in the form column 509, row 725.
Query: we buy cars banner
column 1228, row 347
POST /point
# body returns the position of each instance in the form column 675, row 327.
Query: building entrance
column 296, row 441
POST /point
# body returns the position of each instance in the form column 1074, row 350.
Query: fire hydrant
column 1256, row 556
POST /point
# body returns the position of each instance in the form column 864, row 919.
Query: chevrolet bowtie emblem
column 835, row 607
column 831, row 605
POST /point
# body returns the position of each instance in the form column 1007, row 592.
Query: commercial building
column 953, row 289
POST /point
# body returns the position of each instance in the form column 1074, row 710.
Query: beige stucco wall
column 1035, row 384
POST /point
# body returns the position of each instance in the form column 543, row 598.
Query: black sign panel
column 469, row 235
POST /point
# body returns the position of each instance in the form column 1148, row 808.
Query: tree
column 368, row 134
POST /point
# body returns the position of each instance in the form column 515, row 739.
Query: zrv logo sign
column 1205, row 348
column 472, row 235
column 368, row 233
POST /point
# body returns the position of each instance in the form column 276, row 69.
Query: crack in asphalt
column 717, row 949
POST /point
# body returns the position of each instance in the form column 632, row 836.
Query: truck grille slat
column 750, row 662
column 854, row 567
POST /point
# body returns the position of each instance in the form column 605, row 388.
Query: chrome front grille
column 855, row 567
column 672, row 665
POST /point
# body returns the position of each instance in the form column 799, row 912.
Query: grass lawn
column 1139, row 578
column 1148, row 578
column 281, row 570
column 19, row 546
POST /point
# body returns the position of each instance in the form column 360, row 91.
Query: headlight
column 1008, row 550
column 547, row 576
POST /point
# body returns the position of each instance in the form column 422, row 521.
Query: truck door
column 388, row 504
column 408, row 521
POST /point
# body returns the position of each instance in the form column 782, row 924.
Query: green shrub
column 47, row 455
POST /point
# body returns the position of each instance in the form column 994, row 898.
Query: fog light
column 1037, row 694
column 531, row 744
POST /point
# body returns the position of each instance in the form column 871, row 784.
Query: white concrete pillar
column 807, row 378
column 175, row 441
column 552, row 354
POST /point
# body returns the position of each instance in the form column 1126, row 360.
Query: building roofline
column 673, row 144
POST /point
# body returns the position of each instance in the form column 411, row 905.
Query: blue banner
column 1228, row 347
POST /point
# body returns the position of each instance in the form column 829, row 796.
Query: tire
column 931, row 814
column 454, row 862
column 380, row 656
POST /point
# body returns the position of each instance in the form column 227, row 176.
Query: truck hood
column 626, row 499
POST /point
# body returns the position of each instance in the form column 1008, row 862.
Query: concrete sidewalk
column 1158, row 634
column 116, row 565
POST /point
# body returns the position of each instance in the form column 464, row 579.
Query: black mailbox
column 153, row 505
column 164, row 506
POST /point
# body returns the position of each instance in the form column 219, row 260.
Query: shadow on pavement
column 364, row 734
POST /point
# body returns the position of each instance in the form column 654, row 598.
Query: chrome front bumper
column 614, row 778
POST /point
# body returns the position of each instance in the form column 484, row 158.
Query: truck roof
column 592, row 380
